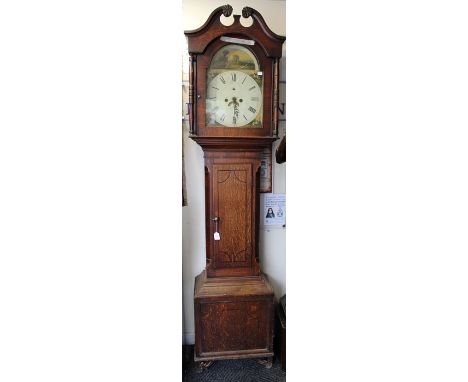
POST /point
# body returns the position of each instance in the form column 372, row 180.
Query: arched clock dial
column 234, row 99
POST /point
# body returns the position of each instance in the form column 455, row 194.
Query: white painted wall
column 273, row 239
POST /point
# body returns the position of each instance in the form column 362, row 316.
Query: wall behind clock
column 272, row 238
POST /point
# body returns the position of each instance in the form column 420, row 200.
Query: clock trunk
column 231, row 187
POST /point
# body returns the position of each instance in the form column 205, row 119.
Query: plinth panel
column 233, row 318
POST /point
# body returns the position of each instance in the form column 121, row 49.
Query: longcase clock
column 233, row 96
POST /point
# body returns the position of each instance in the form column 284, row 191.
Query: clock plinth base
column 234, row 317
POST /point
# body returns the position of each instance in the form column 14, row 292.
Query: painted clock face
column 234, row 99
column 234, row 90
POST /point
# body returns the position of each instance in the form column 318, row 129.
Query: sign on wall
column 274, row 211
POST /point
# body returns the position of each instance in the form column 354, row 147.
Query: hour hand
column 234, row 101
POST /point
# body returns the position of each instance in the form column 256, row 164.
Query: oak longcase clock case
column 233, row 97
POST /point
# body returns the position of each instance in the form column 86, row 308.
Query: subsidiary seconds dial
column 233, row 98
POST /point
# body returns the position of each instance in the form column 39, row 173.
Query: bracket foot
column 267, row 362
column 203, row 365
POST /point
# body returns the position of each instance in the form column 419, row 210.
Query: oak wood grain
column 235, row 317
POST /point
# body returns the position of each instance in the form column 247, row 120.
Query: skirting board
column 189, row 338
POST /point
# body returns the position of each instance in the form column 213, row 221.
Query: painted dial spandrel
column 234, row 99
column 234, row 93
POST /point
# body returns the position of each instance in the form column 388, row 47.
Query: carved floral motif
column 227, row 10
column 247, row 12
